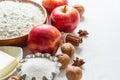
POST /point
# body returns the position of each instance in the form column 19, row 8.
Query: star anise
column 82, row 33
column 78, row 62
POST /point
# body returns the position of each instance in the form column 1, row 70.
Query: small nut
column 68, row 49
column 80, row 9
column 64, row 59
column 14, row 78
column 73, row 73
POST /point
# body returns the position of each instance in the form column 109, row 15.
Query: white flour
column 16, row 19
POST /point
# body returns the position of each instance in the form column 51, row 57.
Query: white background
column 100, row 50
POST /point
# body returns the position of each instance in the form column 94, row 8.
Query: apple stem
column 64, row 10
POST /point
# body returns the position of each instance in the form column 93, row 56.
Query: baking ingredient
column 73, row 73
column 7, row 64
column 82, row 33
column 39, row 68
column 17, row 19
column 68, row 49
column 78, row 62
column 80, row 9
column 44, row 38
column 64, row 59
column 73, row 39
column 52, row 4
column 65, row 18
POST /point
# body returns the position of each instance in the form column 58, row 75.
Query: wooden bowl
column 21, row 40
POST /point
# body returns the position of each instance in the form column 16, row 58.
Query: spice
column 82, row 33
column 74, row 40
column 78, row 62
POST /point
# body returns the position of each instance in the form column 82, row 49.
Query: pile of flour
column 17, row 19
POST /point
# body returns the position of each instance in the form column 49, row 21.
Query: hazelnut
column 80, row 9
column 68, row 49
column 73, row 73
column 14, row 78
column 64, row 59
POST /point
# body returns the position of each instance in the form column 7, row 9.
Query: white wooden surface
column 101, row 50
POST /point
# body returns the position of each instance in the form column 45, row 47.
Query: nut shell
column 64, row 59
column 73, row 73
column 68, row 49
column 80, row 9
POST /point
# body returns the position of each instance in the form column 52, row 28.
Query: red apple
column 44, row 38
column 65, row 18
column 51, row 4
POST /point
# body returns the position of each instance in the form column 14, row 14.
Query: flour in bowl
column 17, row 19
